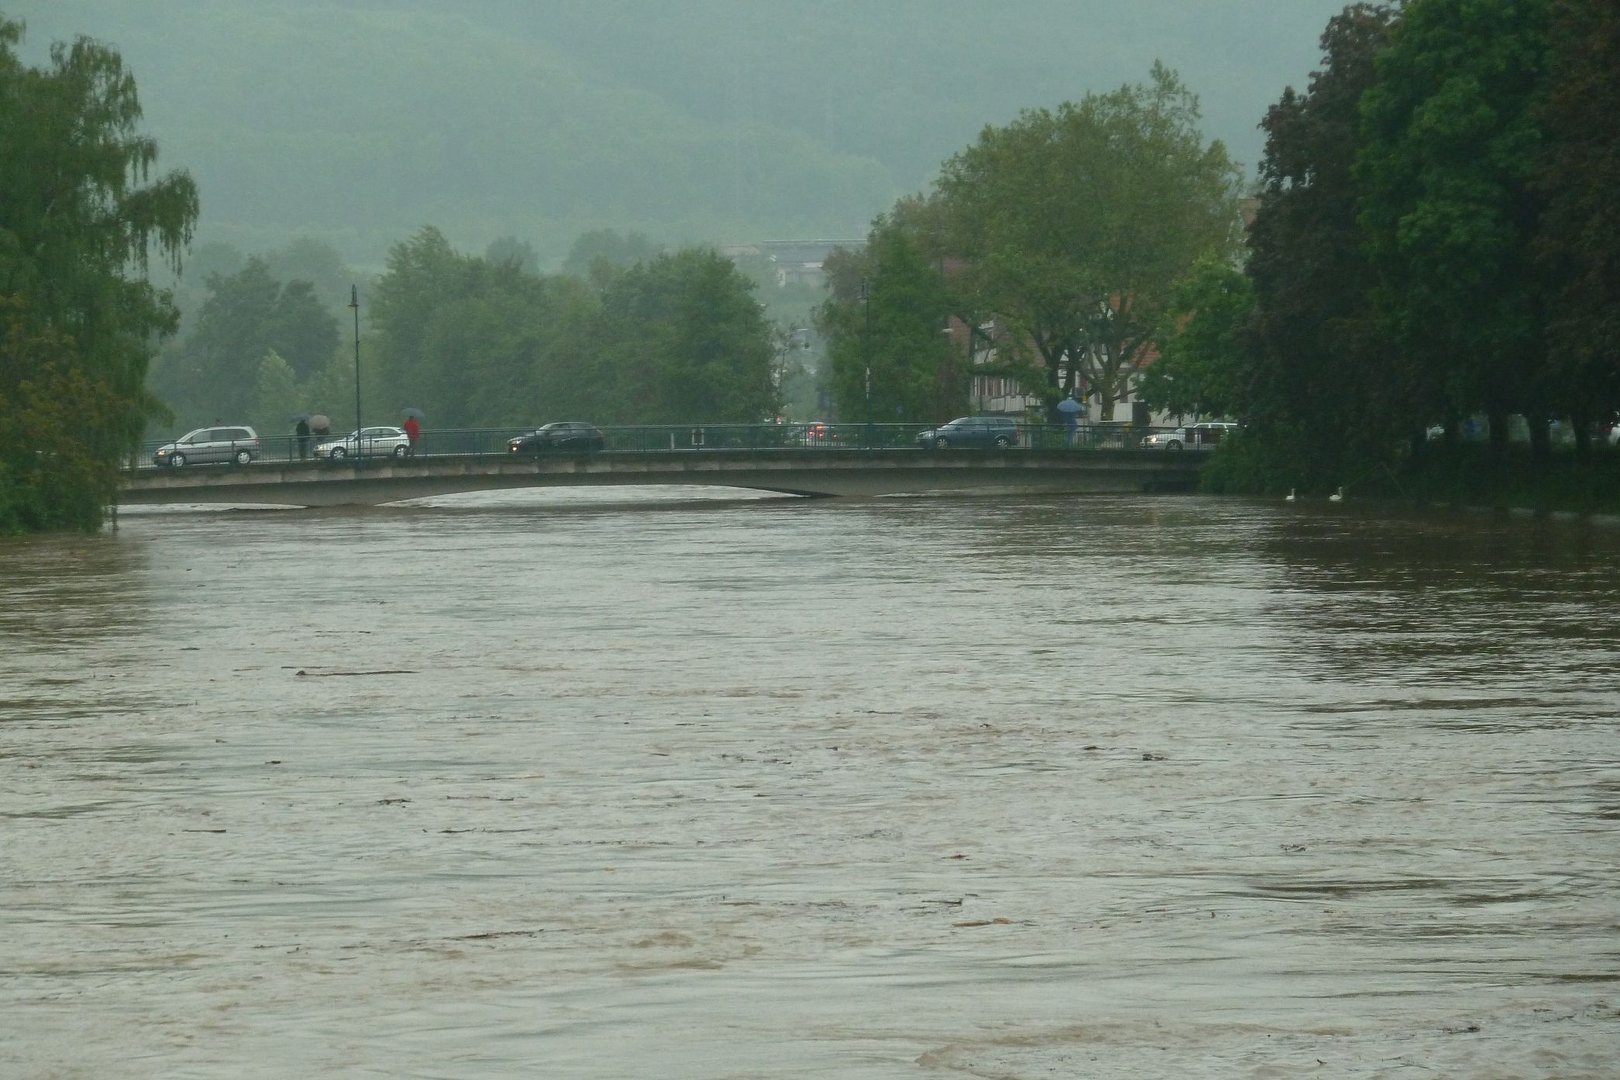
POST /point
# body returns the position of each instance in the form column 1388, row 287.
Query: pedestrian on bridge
column 1070, row 410
column 413, row 432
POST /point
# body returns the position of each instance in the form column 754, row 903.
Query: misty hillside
column 358, row 121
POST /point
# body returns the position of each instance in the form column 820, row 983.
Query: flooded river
column 580, row 786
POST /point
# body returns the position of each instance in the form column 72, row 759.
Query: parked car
column 367, row 442
column 209, row 444
column 562, row 435
column 1001, row 431
column 1194, row 436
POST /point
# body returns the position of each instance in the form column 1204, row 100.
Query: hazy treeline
column 626, row 333
column 642, row 336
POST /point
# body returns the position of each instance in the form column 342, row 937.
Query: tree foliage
column 54, row 474
column 1319, row 388
column 1579, row 244
column 1450, row 145
column 1074, row 224
column 890, row 356
column 1203, row 343
column 678, row 338
column 80, row 216
column 683, row 340
column 1435, row 240
column 248, row 315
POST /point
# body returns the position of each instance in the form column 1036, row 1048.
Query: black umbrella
column 297, row 416
column 418, row 413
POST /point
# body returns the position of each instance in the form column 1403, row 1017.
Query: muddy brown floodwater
column 612, row 787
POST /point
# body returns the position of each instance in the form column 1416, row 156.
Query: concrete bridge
column 808, row 471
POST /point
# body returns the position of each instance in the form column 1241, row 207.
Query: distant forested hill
column 358, row 121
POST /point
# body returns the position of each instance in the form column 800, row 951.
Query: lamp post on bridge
column 866, row 355
column 354, row 302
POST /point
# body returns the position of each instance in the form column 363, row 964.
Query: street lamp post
column 866, row 354
column 354, row 302
column 971, row 330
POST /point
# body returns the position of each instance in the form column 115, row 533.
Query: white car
column 367, row 442
column 1193, row 436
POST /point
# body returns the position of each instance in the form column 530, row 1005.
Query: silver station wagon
column 209, row 444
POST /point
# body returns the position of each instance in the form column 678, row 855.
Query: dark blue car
column 999, row 431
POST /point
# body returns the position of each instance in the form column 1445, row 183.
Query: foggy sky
column 718, row 121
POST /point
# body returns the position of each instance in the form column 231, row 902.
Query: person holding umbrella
column 1070, row 409
column 301, row 434
column 413, row 429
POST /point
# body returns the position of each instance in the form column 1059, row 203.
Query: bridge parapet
column 810, row 472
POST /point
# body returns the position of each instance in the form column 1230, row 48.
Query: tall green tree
column 1073, row 225
column 683, row 339
column 1321, row 389
column 476, row 341
column 247, row 316
column 1451, row 141
column 51, row 476
column 80, row 216
column 889, row 355
column 1204, row 344
column 561, row 381
column 277, row 393
column 421, row 344
column 1579, row 243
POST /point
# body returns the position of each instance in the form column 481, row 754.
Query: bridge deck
column 812, row 472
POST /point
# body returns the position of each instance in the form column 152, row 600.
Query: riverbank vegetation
column 81, row 215
column 1431, row 248
column 1432, row 266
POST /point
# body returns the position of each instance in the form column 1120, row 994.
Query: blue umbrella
column 418, row 413
column 1069, row 405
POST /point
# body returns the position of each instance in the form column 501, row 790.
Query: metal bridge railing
column 492, row 442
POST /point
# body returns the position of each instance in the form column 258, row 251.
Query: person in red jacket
column 413, row 432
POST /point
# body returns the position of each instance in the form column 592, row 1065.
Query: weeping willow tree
column 81, row 216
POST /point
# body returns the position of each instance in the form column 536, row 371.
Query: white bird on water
column 1337, row 496
column 1290, row 496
